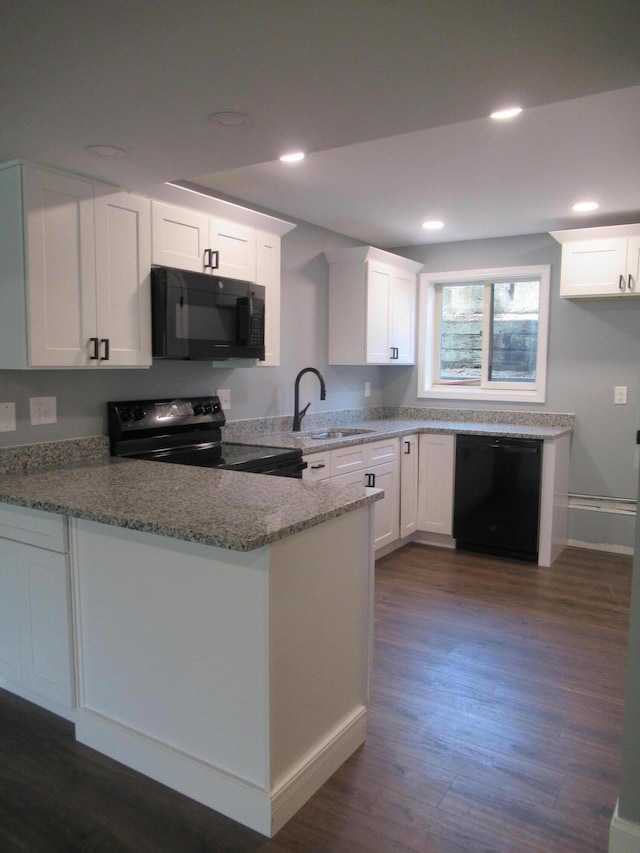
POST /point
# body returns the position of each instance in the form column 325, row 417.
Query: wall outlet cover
column 7, row 417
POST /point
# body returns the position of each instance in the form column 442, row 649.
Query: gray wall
column 593, row 346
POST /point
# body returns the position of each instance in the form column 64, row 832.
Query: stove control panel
column 168, row 415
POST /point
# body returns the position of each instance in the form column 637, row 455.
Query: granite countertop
column 226, row 509
column 373, row 430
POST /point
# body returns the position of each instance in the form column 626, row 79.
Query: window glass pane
column 514, row 331
column 461, row 333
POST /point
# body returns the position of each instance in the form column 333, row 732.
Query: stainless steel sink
column 337, row 432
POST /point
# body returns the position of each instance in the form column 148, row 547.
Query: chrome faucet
column 298, row 415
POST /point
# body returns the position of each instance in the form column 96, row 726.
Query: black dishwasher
column 496, row 506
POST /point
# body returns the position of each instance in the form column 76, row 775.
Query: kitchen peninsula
column 222, row 623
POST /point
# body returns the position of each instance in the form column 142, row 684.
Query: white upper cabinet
column 191, row 240
column 74, row 269
column 600, row 262
column 372, row 307
column 268, row 275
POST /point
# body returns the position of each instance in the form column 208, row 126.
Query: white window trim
column 428, row 345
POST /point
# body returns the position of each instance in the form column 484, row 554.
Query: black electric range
column 188, row 431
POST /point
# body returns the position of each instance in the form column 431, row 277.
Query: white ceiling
column 388, row 97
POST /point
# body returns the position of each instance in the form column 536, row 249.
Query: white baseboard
column 624, row 836
column 593, row 546
column 261, row 810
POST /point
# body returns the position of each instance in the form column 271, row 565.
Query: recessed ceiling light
column 585, row 206
column 294, row 157
column 509, row 112
column 231, row 119
column 108, row 151
column 433, row 224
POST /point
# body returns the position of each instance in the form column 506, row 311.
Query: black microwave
column 205, row 317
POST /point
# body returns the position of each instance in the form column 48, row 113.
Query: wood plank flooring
column 495, row 726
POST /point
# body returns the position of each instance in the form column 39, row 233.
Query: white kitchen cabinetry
column 408, row 485
column 74, row 263
column 318, row 467
column 191, row 240
column 35, row 624
column 268, row 275
column 600, row 262
column 435, row 483
column 373, row 464
column 372, row 307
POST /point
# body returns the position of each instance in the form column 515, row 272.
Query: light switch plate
column 7, row 417
column 620, row 395
column 225, row 398
column 43, row 410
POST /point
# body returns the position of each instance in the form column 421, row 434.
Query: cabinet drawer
column 34, row 527
column 318, row 467
column 379, row 452
column 345, row 459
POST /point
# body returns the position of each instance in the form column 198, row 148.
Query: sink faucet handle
column 303, row 412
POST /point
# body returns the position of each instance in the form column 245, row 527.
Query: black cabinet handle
column 371, row 480
column 621, row 283
column 215, row 259
column 407, row 445
column 207, row 259
column 318, row 466
column 105, row 342
column 630, row 281
column 94, row 342
column 394, row 353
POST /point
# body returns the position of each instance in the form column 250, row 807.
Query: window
column 483, row 334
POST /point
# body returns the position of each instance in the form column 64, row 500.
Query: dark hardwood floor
column 495, row 726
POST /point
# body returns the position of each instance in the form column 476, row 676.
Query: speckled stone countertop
column 226, row 509
column 505, row 424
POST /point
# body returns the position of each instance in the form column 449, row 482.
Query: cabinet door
column 593, row 267
column 408, row 485
column 35, row 633
column 435, row 483
column 10, row 588
column 386, row 515
column 61, row 268
column 45, row 625
column 179, row 237
column 402, row 318
column 123, row 255
column 378, row 293
column 236, row 247
column 633, row 267
column 268, row 275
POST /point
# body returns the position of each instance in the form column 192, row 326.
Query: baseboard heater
column 601, row 503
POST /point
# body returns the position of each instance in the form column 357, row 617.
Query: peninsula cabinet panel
column 74, row 269
column 600, row 262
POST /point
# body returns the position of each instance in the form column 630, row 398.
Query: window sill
column 473, row 392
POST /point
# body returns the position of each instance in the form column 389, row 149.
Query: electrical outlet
column 225, row 398
column 367, row 389
column 7, row 417
column 620, row 395
column 43, row 410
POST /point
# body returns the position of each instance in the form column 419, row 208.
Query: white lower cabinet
column 435, row 483
column 35, row 621
column 374, row 464
column 408, row 485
